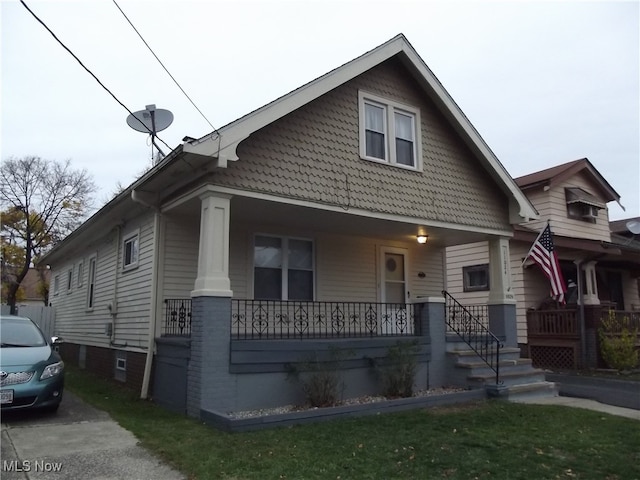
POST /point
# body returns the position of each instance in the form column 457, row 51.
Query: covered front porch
column 331, row 278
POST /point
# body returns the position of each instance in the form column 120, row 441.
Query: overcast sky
column 543, row 82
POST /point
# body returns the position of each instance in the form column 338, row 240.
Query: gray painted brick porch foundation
column 227, row 375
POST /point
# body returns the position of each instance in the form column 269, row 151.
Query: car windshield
column 20, row 332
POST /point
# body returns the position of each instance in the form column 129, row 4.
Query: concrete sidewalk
column 78, row 442
column 584, row 403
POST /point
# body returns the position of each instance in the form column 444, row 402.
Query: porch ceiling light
column 422, row 239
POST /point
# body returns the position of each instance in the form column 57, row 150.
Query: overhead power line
column 165, row 68
column 88, row 71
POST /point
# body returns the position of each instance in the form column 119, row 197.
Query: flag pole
column 534, row 243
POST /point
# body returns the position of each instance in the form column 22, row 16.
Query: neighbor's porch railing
column 473, row 332
column 269, row 319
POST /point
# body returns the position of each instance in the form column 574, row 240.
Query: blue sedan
column 31, row 371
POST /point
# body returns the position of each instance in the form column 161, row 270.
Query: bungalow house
column 600, row 266
column 318, row 221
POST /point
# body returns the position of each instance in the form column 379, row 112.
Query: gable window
column 476, row 278
column 56, row 285
column 69, row 280
column 130, row 251
column 283, row 268
column 389, row 131
column 581, row 205
column 91, row 283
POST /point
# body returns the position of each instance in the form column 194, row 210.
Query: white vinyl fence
column 45, row 317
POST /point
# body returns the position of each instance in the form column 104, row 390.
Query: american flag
column 543, row 253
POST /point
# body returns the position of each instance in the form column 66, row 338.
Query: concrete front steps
column 518, row 379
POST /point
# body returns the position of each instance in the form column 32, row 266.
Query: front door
column 394, row 293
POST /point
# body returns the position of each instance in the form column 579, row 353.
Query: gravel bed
column 350, row 401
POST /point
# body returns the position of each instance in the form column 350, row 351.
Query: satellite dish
column 633, row 226
column 151, row 120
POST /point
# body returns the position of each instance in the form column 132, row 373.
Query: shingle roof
column 561, row 172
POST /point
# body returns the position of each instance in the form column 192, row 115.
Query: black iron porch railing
column 480, row 312
column 177, row 317
column 477, row 336
column 270, row 319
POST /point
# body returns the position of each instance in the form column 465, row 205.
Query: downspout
column 113, row 305
column 144, row 393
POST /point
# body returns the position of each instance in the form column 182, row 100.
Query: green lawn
column 492, row 439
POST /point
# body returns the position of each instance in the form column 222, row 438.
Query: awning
column 577, row 195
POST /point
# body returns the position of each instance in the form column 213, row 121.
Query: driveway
column 77, row 442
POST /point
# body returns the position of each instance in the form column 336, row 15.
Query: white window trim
column 93, row 259
column 466, row 283
column 70, row 280
column 135, row 236
column 80, row 273
column 56, row 285
column 390, row 107
column 285, row 263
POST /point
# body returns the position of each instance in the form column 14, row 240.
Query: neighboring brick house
column 290, row 230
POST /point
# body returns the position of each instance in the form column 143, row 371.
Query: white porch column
column 213, row 257
column 502, row 302
column 590, row 296
column 501, row 290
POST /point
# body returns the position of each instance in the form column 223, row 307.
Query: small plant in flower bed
column 321, row 379
column 397, row 370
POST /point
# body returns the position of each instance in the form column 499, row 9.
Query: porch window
column 389, row 131
column 130, row 252
column 283, row 268
column 476, row 277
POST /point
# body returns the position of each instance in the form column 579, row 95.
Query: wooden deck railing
column 553, row 323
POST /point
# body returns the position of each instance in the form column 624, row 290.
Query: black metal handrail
column 274, row 319
column 478, row 337
column 177, row 317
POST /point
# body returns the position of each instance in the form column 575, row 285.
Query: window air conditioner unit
column 590, row 212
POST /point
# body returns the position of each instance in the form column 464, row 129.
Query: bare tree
column 42, row 201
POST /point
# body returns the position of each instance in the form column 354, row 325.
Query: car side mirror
column 56, row 341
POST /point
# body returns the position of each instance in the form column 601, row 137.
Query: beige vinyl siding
column 458, row 257
column 552, row 205
column 180, row 255
column 129, row 291
column 133, row 288
column 346, row 267
column 74, row 323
